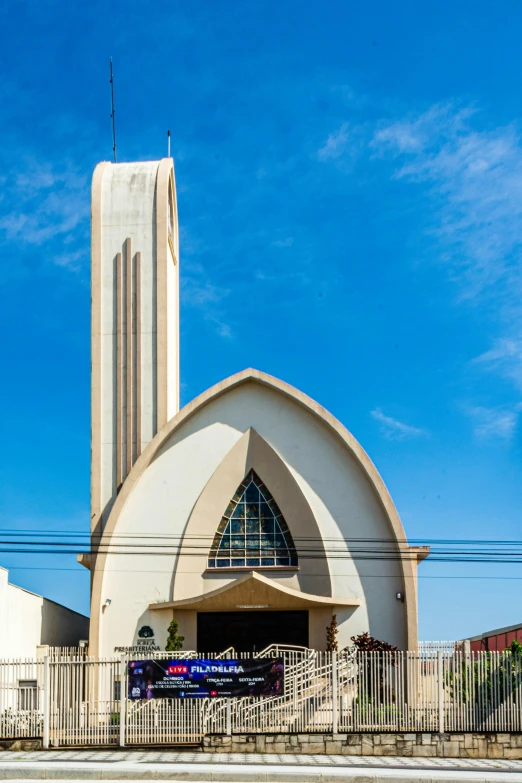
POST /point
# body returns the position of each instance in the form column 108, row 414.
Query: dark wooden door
column 250, row 631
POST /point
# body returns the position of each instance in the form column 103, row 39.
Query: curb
column 243, row 773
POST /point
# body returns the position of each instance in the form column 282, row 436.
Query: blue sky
column 350, row 198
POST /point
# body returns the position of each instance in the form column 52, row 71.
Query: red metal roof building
column 496, row 640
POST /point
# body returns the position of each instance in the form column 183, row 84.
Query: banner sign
column 202, row 677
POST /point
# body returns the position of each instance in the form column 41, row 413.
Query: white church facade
column 251, row 514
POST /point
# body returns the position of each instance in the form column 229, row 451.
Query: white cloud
column 335, row 145
column 393, row 428
column 43, row 202
column 288, row 242
column 475, row 184
column 198, row 289
column 416, row 133
column 505, row 358
column 73, row 260
column 471, row 176
column 202, row 293
column 223, row 330
column 490, row 423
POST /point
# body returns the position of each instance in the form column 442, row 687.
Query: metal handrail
column 226, row 652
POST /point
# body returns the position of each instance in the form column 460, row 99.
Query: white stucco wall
column 344, row 502
column 28, row 620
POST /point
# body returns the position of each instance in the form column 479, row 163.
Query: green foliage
column 515, row 648
column 331, row 635
column 174, row 641
column 488, row 679
column 373, row 712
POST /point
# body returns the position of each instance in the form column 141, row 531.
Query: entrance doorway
column 250, row 631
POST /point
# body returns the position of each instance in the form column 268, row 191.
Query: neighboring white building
column 251, row 515
column 28, row 620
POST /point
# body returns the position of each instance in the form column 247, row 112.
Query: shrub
column 174, row 641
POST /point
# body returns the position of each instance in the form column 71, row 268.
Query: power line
column 151, row 536
column 26, row 541
column 348, row 556
column 22, row 532
column 117, row 546
column 80, row 570
column 341, row 546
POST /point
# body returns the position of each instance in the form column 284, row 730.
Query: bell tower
column 134, row 317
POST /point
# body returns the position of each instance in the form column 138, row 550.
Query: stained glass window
column 252, row 532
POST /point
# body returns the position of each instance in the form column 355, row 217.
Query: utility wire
column 25, row 541
column 82, row 571
column 105, row 539
column 349, row 556
column 305, row 545
column 412, row 541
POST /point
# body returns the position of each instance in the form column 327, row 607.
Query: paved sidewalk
column 248, row 767
column 197, row 757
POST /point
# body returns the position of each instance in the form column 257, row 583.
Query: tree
column 515, row 648
column 174, row 641
column 331, row 635
column 366, row 643
column 489, row 679
column 374, row 668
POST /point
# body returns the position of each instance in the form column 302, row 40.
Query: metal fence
column 79, row 701
column 447, row 647
column 21, row 698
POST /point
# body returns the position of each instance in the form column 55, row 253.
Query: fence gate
column 84, row 702
column 88, row 705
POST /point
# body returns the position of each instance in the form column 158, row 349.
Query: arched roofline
column 250, row 375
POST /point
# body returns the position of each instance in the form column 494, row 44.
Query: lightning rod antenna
column 168, row 144
column 113, row 115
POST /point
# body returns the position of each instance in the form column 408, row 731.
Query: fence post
column 440, row 683
column 229, row 716
column 335, row 680
column 123, row 699
column 46, row 702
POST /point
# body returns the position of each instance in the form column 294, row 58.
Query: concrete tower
column 135, row 321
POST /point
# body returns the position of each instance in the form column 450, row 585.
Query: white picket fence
column 78, row 701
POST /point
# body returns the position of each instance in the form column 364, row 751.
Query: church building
column 251, row 515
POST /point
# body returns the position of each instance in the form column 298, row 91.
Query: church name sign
column 144, row 649
column 145, row 645
column 204, row 677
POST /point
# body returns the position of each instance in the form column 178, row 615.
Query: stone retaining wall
column 21, row 744
column 475, row 746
